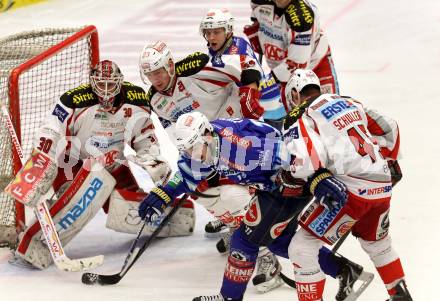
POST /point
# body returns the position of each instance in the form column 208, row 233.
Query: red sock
column 391, row 273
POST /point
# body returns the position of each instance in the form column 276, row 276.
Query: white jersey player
column 289, row 35
column 225, row 48
column 346, row 169
column 95, row 122
column 194, row 83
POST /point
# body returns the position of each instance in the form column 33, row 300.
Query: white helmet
column 298, row 80
column 217, row 18
column 190, row 129
column 153, row 57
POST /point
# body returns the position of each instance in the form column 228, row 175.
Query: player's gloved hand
column 250, row 103
column 252, row 33
column 396, row 172
column 290, row 186
column 328, row 190
column 154, row 203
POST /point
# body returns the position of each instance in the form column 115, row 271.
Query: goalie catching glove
column 155, row 203
column 156, row 166
column 329, row 191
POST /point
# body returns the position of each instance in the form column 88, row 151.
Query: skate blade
column 365, row 278
column 264, row 287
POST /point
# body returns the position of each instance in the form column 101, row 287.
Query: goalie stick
column 134, row 253
column 47, row 226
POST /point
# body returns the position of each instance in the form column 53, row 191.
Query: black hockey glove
column 328, row 190
column 290, row 187
column 396, row 172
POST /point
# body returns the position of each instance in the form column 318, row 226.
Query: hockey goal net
column 36, row 68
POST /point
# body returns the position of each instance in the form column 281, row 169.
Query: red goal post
column 36, row 68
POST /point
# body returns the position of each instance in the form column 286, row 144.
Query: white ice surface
column 386, row 53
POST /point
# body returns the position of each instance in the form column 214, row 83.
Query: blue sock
column 328, row 263
column 241, row 263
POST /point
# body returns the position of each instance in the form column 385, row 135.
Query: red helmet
column 106, row 81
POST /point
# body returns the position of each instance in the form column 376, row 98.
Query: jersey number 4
column 362, row 142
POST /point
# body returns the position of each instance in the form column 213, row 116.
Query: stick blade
column 83, row 264
column 92, row 279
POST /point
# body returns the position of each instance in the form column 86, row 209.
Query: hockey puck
column 89, row 278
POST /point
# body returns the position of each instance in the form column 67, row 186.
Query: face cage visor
column 106, row 89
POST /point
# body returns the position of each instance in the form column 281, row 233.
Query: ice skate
column 268, row 273
column 224, row 243
column 215, row 228
column 349, row 274
column 218, row 297
column 402, row 292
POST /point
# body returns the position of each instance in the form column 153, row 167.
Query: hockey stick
column 134, row 253
column 47, row 226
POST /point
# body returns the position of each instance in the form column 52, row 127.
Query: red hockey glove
column 252, row 33
column 250, row 103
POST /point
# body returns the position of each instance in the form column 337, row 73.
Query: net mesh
column 39, row 87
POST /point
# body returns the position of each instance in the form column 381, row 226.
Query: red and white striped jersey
column 200, row 86
column 290, row 38
column 77, row 124
column 338, row 134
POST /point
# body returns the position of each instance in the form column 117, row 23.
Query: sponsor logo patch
column 321, row 223
column 60, row 113
column 302, row 39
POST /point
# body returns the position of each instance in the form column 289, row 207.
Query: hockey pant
column 229, row 204
column 270, row 221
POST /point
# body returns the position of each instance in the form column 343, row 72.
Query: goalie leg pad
column 181, row 224
column 123, row 216
column 71, row 212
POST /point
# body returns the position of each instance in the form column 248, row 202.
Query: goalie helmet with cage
column 153, row 57
column 106, row 81
column 217, row 18
column 300, row 79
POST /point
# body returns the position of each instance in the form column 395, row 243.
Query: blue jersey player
column 246, row 152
